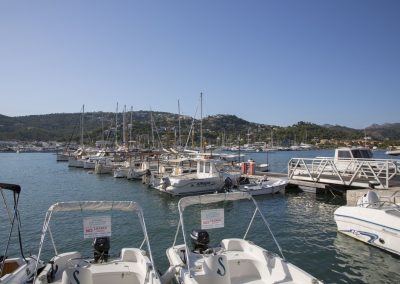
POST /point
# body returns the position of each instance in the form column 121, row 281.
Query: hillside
column 101, row 125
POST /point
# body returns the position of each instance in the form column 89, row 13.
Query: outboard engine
column 101, row 245
column 200, row 240
column 369, row 199
column 165, row 182
column 228, row 183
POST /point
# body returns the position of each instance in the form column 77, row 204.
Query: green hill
column 99, row 125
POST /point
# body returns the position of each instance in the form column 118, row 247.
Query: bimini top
column 129, row 206
column 13, row 187
column 212, row 198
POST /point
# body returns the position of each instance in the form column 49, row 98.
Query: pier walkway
column 359, row 173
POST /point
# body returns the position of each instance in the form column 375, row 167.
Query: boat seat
column 130, row 254
column 77, row 275
column 234, row 244
column 10, row 266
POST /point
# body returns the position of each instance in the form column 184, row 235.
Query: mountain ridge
column 61, row 126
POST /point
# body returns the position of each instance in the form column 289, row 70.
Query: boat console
column 369, row 199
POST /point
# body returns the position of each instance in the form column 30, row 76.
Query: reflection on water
column 302, row 223
column 363, row 263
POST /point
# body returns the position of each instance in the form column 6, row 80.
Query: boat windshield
column 344, row 154
column 361, row 153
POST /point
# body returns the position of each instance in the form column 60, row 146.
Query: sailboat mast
column 124, row 126
column 116, row 126
column 131, row 125
column 272, row 138
column 179, row 125
column 365, row 138
column 201, row 121
column 83, row 112
column 152, row 127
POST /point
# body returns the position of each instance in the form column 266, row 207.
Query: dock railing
column 348, row 172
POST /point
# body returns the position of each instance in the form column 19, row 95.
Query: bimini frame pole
column 46, row 226
column 269, row 228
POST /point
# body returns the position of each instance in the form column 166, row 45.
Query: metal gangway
column 364, row 173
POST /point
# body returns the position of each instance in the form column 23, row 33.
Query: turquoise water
column 302, row 222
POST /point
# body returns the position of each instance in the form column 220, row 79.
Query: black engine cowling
column 101, row 246
column 200, row 240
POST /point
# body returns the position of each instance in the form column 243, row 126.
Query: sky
column 270, row 62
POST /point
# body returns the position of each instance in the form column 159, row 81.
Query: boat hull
column 193, row 186
column 376, row 227
column 75, row 163
column 266, row 187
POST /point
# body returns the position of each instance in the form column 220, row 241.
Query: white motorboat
column 16, row 270
column 348, row 159
column 373, row 221
column 131, row 265
column 77, row 158
column 120, row 172
column 262, row 167
column 209, row 177
column 139, row 168
column 233, row 260
column 393, row 151
column 266, row 186
column 62, row 156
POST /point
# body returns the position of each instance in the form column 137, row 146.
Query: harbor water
column 302, row 222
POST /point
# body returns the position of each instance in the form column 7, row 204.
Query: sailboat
column 77, row 158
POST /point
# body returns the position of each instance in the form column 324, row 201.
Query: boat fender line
column 169, row 275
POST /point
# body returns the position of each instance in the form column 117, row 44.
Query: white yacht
column 15, row 270
column 62, row 156
column 348, row 159
column 130, row 265
column 210, row 176
column 233, row 260
column 77, row 159
column 373, row 221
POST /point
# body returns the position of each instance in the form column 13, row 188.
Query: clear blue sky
column 272, row 62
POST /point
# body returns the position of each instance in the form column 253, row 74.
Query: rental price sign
column 212, row 218
column 99, row 226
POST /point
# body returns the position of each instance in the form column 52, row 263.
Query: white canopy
column 95, row 206
column 212, row 198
